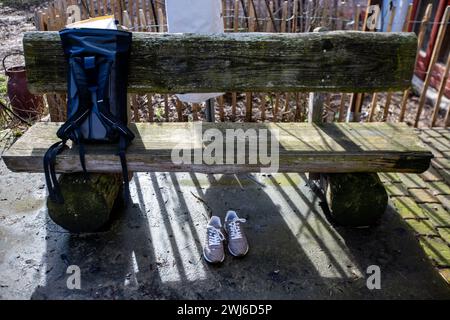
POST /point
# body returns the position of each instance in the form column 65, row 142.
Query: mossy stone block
column 87, row 202
column 356, row 199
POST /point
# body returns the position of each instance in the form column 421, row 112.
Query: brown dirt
column 14, row 23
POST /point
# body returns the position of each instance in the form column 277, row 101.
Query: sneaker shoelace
column 235, row 228
column 215, row 236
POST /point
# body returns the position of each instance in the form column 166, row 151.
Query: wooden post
column 195, row 108
column 145, row 12
column 286, row 108
column 99, row 8
column 277, row 106
column 220, row 100
column 294, row 16
column 315, row 107
column 151, row 19
column 248, row 106
column 434, row 56
column 126, row 20
column 263, row 107
column 270, row 9
column 236, row 16
column 91, row 8
column 166, row 107
column 440, row 93
column 251, row 17
column 105, row 7
column 130, row 14
column 284, row 16
column 298, row 109
column 161, row 20
column 179, row 106
column 309, row 13
column 356, row 18
column 233, row 105
column 135, row 104
column 151, row 112
column 113, row 8
column 386, row 106
column 408, row 18
column 41, row 25
column 142, row 21
column 269, row 23
column 342, row 108
column 119, row 11
column 373, row 106
column 447, row 118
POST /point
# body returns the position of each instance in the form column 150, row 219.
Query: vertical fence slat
column 284, row 16
column 264, row 99
column 91, row 8
column 166, row 107
column 161, row 20
column 294, row 16
column 233, row 105
column 420, row 38
column 298, row 111
column 195, row 108
column 220, row 100
column 179, row 106
column 151, row 111
column 277, row 106
column 342, row 108
column 373, row 106
column 440, row 93
column 389, row 94
column 434, row 56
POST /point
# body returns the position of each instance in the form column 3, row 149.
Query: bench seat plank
column 339, row 61
column 333, row 147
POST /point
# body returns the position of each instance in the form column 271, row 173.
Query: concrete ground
column 152, row 250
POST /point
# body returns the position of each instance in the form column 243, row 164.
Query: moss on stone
column 87, row 203
column 356, row 199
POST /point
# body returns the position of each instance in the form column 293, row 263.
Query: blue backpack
column 97, row 62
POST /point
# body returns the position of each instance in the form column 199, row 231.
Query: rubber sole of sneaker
column 209, row 261
column 237, row 255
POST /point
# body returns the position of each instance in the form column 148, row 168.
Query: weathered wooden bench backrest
column 339, row 61
column 177, row 63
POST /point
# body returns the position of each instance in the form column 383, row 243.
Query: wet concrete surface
column 152, row 250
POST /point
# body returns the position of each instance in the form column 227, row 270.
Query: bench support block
column 355, row 199
column 87, row 203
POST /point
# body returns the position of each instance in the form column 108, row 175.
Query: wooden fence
column 267, row 16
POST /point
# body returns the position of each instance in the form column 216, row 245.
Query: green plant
column 2, row 86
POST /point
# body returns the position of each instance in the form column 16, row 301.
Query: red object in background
column 23, row 102
column 437, row 73
column 423, row 60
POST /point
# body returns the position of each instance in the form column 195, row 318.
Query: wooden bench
column 309, row 62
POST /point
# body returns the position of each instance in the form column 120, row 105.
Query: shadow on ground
column 153, row 250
